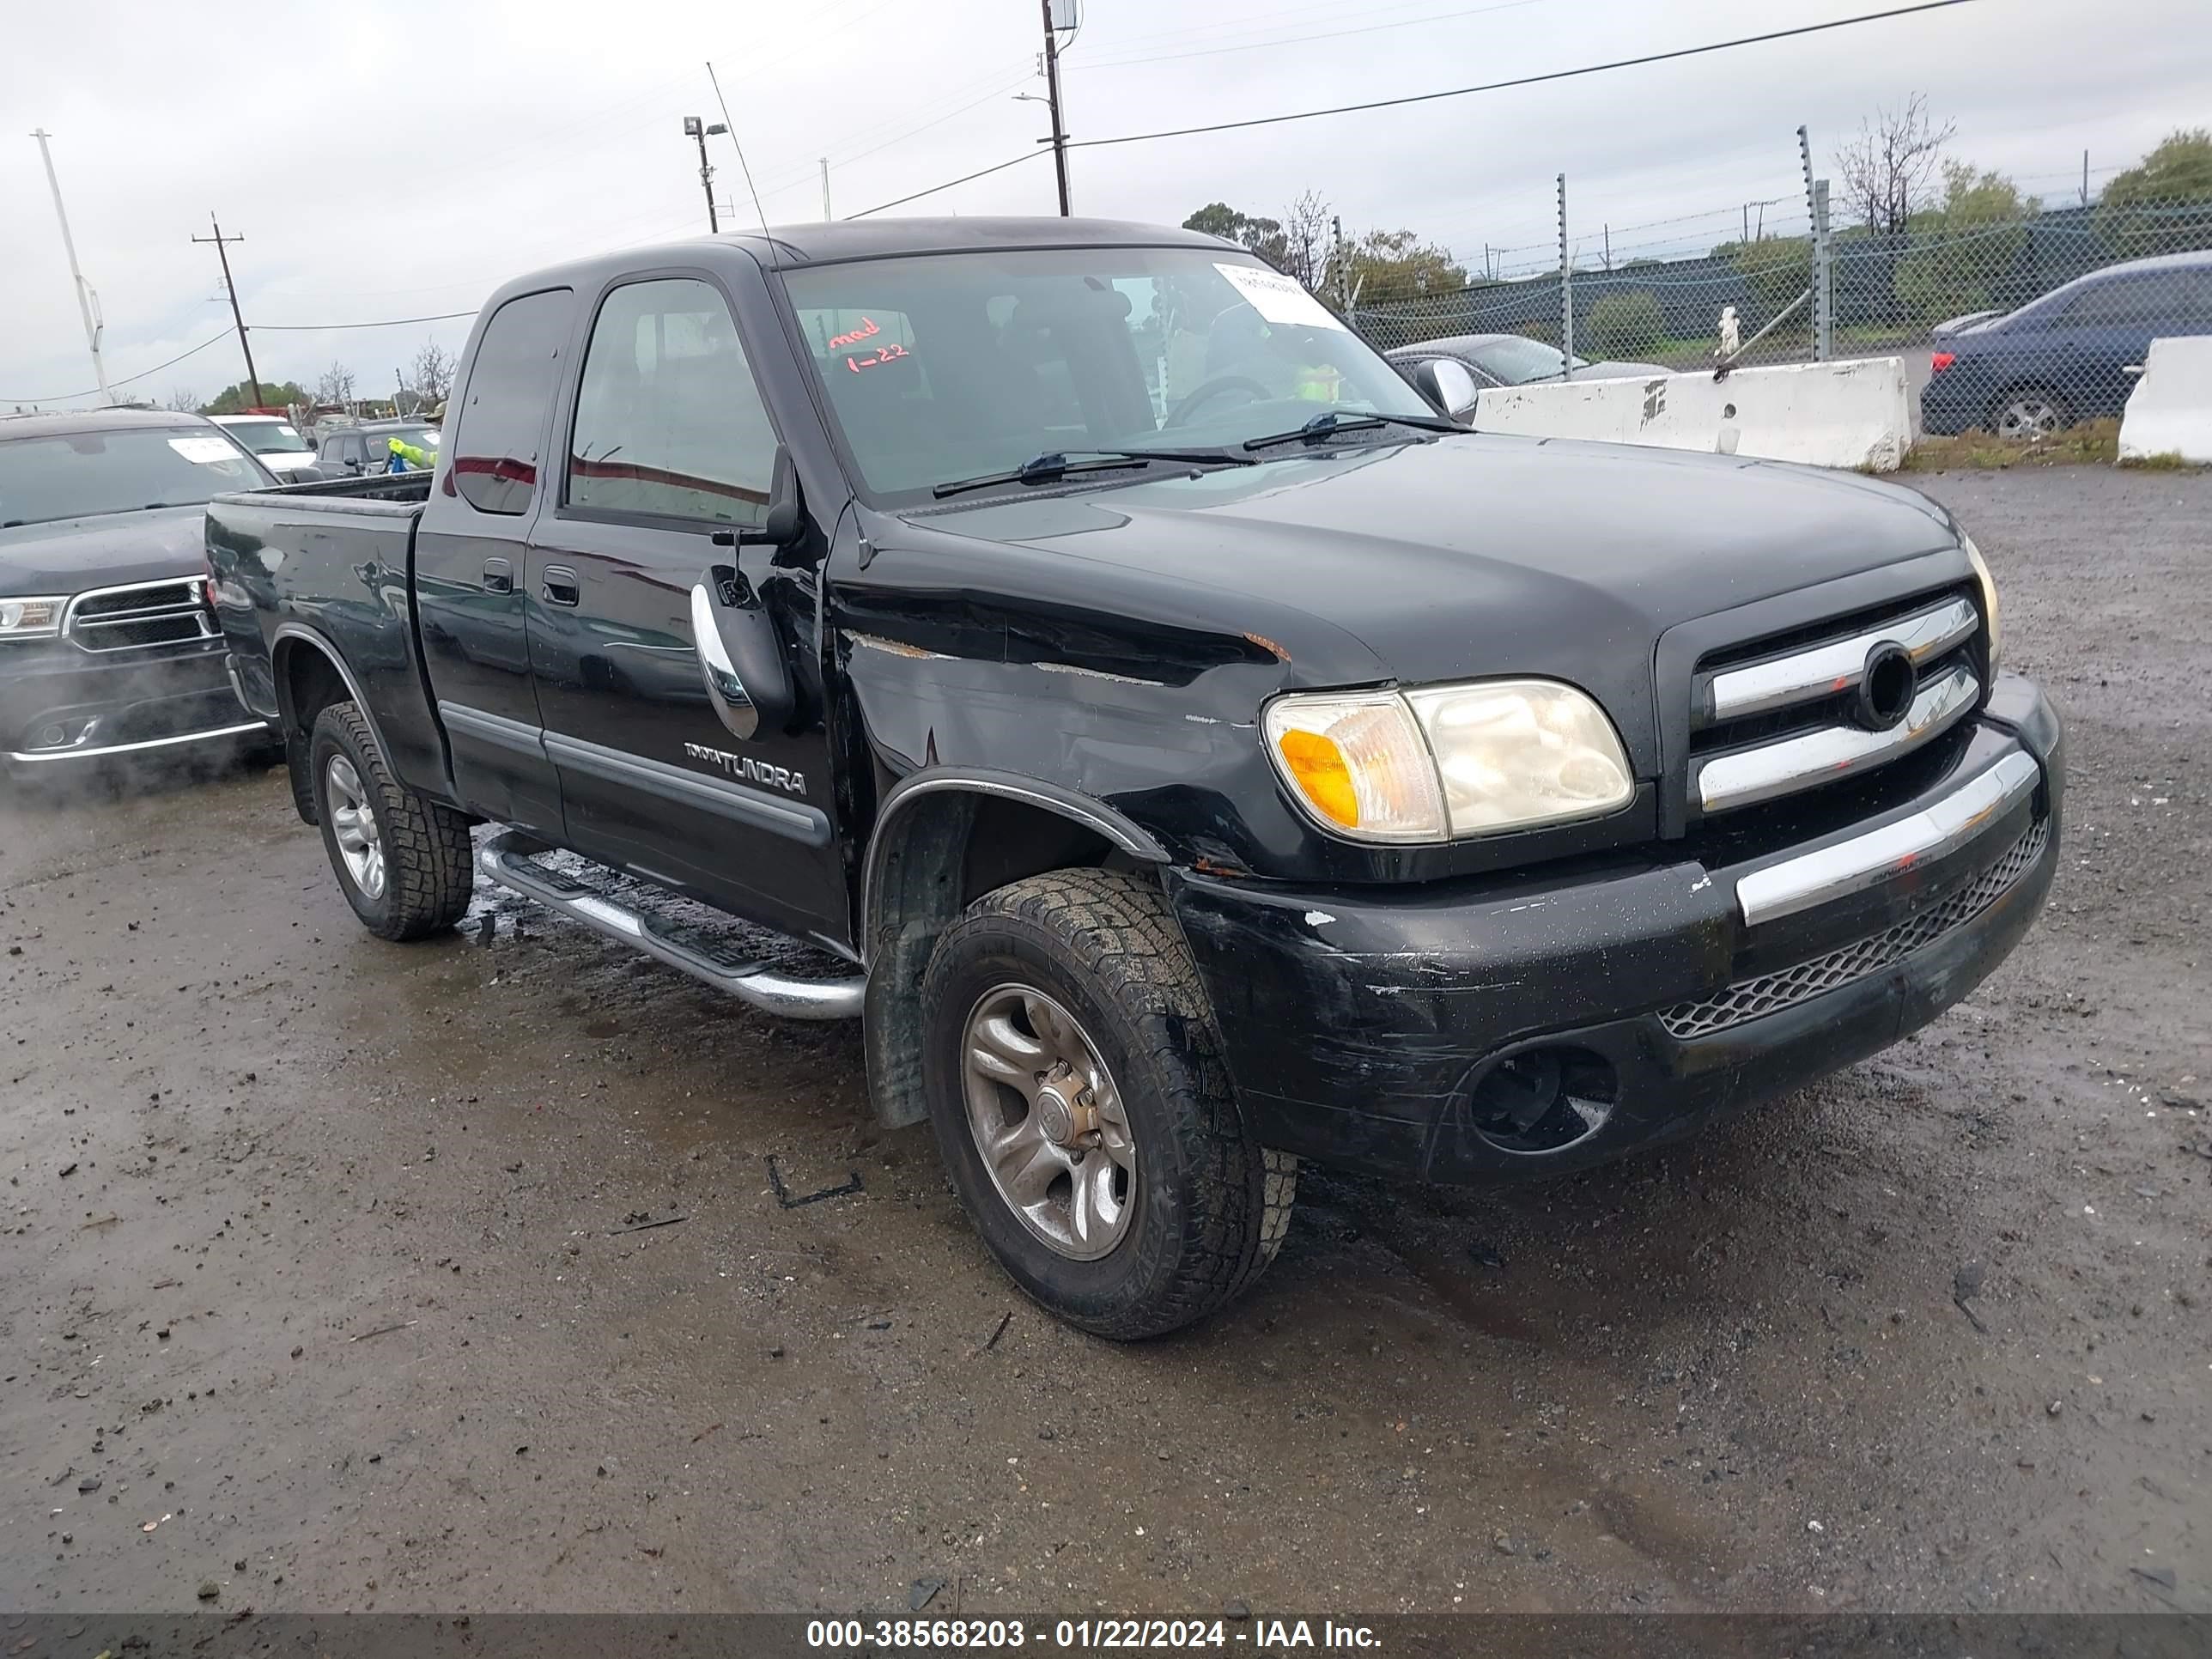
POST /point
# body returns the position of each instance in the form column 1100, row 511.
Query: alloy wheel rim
column 2027, row 418
column 1048, row 1121
column 360, row 843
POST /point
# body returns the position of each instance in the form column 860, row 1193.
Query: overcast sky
column 397, row 159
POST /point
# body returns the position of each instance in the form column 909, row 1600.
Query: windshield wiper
column 1052, row 467
column 1328, row 423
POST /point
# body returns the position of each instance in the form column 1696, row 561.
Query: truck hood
column 1460, row 557
column 1469, row 557
column 69, row 554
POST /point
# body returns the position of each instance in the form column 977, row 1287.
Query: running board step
column 511, row 859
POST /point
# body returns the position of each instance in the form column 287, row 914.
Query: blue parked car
column 2064, row 357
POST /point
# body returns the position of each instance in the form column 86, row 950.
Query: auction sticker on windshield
column 1278, row 298
column 207, row 452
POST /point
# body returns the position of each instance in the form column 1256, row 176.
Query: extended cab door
column 669, row 443
column 470, row 582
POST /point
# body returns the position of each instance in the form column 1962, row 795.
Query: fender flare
column 321, row 642
column 1091, row 813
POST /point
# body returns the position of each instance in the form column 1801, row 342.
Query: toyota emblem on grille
column 1887, row 687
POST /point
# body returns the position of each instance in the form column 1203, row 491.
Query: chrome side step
column 511, row 859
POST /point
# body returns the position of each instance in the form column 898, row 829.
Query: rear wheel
column 1078, row 1094
column 402, row 861
column 2027, row 414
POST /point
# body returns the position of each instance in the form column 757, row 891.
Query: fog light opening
column 1542, row 1100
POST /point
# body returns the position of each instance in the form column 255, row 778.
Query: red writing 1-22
column 884, row 354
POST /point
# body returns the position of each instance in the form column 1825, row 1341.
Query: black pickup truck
column 1063, row 645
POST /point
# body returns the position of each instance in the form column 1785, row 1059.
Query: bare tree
column 184, row 400
column 1306, row 238
column 432, row 374
column 1891, row 169
column 335, row 386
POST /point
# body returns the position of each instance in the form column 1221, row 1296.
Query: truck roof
column 56, row 423
column 878, row 238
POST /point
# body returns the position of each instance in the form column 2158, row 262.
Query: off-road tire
column 1211, row 1206
column 429, row 868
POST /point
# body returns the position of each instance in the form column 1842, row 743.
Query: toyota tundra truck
column 1066, row 648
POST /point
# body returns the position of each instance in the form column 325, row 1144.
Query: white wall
column 2170, row 410
column 1854, row 413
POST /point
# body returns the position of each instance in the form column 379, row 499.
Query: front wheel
column 404, row 861
column 1078, row 1094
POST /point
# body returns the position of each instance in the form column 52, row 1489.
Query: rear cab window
column 502, row 425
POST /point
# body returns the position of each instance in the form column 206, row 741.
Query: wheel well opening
column 307, row 683
column 947, row 850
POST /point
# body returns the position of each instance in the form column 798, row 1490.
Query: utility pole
column 222, row 252
column 694, row 128
column 1566, row 291
column 2085, row 177
column 88, row 302
column 825, row 190
column 1052, row 97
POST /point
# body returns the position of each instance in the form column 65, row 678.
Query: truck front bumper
column 60, row 705
column 1481, row 1031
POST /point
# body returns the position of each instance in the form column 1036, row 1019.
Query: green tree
column 275, row 394
column 1394, row 264
column 1776, row 269
column 2162, row 204
column 1961, row 252
column 1264, row 237
column 1627, row 325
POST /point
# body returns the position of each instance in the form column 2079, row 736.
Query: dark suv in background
column 2064, row 357
column 108, row 645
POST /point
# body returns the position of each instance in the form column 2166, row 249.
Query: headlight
column 1989, row 595
column 31, row 619
column 1450, row 761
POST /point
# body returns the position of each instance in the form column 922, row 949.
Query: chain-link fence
column 2015, row 321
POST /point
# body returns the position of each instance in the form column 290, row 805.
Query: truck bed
column 333, row 559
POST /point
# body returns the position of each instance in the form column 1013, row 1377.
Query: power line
column 900, row 201
column 1523, row 79
column 388, row 322
column 65, row 397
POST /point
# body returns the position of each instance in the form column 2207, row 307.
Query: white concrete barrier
column 2170, row 410
column 1855, row 414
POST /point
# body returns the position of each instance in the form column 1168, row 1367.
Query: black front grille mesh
column 1748, row 999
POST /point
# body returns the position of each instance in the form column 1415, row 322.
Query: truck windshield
column 79, row 475
column 949, row 367
column 268, row 437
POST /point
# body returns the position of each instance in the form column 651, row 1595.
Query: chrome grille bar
column 1831, row 752
column 170, row 610
column 1836, row 666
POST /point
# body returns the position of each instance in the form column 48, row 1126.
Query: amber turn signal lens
column 1319, row 766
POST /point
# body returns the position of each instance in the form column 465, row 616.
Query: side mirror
column 740, row 658
column 779, row 525
column 1449, row 384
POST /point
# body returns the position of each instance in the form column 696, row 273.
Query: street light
column 694, row 128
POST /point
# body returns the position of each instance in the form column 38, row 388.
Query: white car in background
column 274, row 441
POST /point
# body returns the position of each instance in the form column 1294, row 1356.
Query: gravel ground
column 331, row 1280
